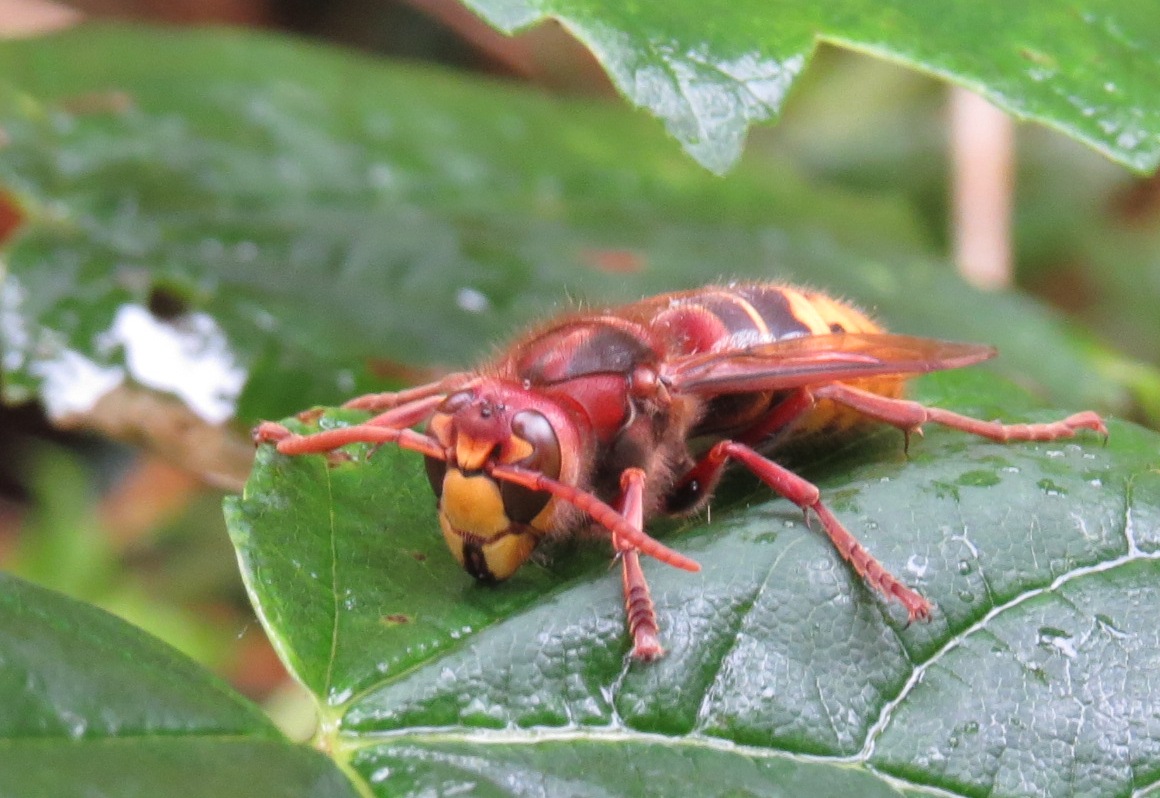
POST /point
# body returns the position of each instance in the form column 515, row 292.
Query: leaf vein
column 703, row 710
column 884, row 718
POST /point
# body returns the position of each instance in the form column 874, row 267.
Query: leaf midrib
column 348, row 744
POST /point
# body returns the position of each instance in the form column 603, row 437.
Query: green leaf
column 325, row 218
column 783, row 669
column 709, row 70
column 92, row 706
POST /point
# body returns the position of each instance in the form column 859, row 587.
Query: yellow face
column 491, row 526
column 477, row 529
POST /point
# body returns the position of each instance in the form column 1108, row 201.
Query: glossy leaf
column 783, row 670
column 709, row 70
column 253, row 225
column 1086, row 232
column 92, row 706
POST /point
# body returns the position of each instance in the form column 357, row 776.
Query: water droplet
column 945, row 490
column 966, row 596
column 246, row 251
column 381, row 176
column 1130, row 139
column 978, row 478
column 471, row 300
column 1056, row 640
column 211, row 249
column 76, row 724
column 1109, row 626
column 965, row 567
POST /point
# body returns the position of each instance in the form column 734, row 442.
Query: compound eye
column 534, row 430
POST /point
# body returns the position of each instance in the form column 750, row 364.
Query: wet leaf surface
column 1035, row 669
column 709, row 70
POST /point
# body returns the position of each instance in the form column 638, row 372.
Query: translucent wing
column 816, row 359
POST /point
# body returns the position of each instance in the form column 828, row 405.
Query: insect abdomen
column 736, row 317
column 742, row 315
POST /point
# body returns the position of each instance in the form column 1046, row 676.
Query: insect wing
column 815, row 359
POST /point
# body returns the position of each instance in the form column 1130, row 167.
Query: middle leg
column 806, row 495
column 638, row 605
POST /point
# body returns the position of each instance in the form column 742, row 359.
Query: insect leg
column 328, row 440
column 806, row 496
column 406, row 415
column 638, row 604
column 378, row 402
column 697, row 484
column 601, row 513
column 388, row 427
column 910, row 416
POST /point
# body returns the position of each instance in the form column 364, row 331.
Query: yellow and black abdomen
column 745, row 315
column 826, row 418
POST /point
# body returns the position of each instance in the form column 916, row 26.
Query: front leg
column 638, row 604
column 392, row 426
column 380, row 402
column 290, row 443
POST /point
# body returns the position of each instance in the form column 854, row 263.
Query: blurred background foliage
column 130, row 532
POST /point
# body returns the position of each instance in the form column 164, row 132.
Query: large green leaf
column 321, row 214
column 784, row 671
column 709, row 70
column 92, row 706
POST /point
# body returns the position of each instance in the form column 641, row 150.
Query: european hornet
column 606, row 419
